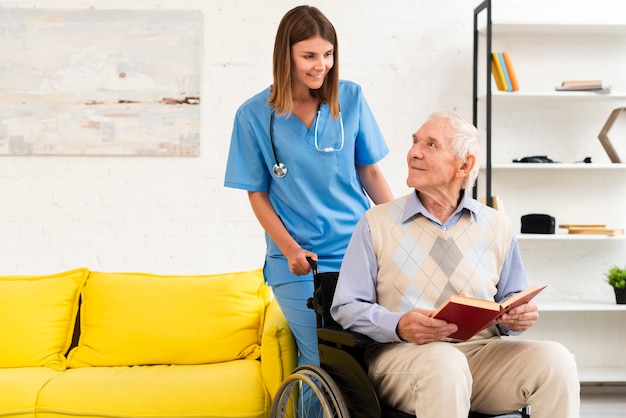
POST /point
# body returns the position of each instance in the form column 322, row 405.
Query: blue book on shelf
column 507, row 78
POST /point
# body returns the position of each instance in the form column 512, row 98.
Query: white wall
column 173, row 215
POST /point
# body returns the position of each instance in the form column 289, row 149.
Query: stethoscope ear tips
column 279, row 170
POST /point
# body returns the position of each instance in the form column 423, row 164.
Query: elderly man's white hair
column 465, row 139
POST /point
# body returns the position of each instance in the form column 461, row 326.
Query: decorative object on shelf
column 534, row 159
column 600, row 229
column 537, row 223
column 604, row 135
column 616, row 277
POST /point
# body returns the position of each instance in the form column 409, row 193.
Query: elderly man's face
column 431, row 159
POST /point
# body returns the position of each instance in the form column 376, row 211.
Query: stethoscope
column 279, row 169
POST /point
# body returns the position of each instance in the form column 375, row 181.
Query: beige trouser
column 492, row 376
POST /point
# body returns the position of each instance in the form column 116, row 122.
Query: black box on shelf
column 538, row 223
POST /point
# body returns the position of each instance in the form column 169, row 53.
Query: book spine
column 507, row 79
column 496, row 70
column 509, row 66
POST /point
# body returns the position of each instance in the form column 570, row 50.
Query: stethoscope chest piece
column 280, row 170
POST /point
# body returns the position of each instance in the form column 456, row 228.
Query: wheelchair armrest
column 343, row 337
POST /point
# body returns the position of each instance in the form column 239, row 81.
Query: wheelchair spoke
column 309, row 393
column 339, row 407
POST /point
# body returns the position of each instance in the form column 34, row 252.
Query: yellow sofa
column 142, row 345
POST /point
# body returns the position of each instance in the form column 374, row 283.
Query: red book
column 472, row 315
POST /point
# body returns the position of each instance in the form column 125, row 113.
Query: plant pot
column 620, row 296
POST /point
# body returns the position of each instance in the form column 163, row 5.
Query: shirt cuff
column 388, row 328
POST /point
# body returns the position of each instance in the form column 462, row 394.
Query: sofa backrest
column 37, row 315
column 131, row 319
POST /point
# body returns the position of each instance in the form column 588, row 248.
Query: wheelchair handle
column 313, row 265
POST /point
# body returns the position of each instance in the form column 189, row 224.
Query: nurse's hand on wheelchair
column 416, row 326
column 299, row 261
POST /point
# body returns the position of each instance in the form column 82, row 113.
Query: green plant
column 616, row 277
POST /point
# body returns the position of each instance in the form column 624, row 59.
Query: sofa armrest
column 278, row 349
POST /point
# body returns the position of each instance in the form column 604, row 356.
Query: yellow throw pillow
column 137, row 319
column 37, row 316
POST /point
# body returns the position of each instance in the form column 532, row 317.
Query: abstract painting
column 100, row 82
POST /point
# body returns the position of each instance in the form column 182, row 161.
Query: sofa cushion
column 229, row 389
column 135, row 319
column 278, row 348
column 20, row 387
column 37, row 315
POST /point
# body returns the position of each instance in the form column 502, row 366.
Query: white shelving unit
column 578, row 308
column 559, row 95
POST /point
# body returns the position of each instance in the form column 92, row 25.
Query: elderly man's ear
column 466, row 167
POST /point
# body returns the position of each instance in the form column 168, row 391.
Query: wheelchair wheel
column 309, row 392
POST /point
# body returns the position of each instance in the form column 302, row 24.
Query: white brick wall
column 173, row 215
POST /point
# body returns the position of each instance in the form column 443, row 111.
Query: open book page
column 520, row 298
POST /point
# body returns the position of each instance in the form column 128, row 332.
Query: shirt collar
column 415, row 207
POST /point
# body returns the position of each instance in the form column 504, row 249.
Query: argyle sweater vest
column 420, row 265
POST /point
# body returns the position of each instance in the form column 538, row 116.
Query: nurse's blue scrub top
column 321, row 198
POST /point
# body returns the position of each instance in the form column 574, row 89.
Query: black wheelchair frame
column 341, row 385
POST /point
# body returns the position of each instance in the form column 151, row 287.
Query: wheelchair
column 340, row 388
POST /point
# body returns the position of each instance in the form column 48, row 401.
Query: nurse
column 306, row 150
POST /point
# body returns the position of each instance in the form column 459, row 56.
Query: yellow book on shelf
column 498, row 75
column 509, row 67
column 507, row 79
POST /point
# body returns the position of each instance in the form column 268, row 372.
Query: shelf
column 568, row 237
column 579, row 309
column 610, row 375
column 553, row 28
column 579, row 305
column 582, row 96
column 556, row 166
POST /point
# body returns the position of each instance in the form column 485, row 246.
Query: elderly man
column 407, row 256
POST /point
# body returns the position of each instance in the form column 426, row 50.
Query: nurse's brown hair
column 299, row 24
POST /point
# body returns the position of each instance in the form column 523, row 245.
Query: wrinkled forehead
column 438, row 129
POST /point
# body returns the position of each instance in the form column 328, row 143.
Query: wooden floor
column 603, row 402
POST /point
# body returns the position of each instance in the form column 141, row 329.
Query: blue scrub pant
column 292, row 298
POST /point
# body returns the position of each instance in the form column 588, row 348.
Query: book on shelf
column 591, row 229
column 507, row 79
column 583, row 85
column 496, row 70
column 503, row 71
column 511, row 70
column 496, row 202
column 472, row 315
